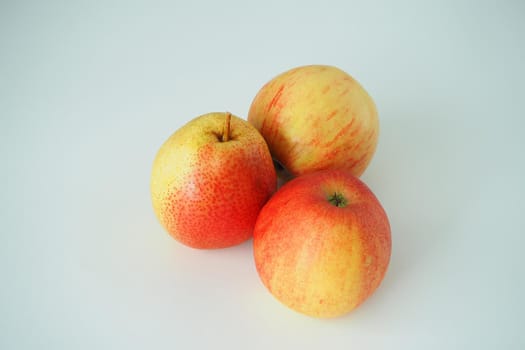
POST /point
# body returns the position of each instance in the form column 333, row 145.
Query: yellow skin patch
column 324, row 279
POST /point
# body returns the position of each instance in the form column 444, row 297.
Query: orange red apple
column 317, row 117
column 210, row 179
column 322, row 243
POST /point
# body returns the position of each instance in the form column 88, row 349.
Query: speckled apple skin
column 317, row 117
column 207, row 193
column 317, row 258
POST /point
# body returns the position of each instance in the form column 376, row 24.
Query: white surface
column 89, row 92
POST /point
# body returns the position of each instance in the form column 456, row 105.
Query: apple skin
column 207, row 193
column 317, row 258
column 316, row 117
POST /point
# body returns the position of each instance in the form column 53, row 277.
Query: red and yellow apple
column 316, row 117
column 322, row 243
column 210, row 179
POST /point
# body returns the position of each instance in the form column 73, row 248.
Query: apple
column 322, row 243
column 316, row 117
column 210, row 179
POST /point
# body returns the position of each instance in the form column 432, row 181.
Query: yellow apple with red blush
column 210, row 179
column 316, row 117
column 322, row 243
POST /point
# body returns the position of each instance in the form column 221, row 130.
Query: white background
column 90, row 90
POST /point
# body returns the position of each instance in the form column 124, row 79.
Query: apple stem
column 338, row 200
column 226, row 130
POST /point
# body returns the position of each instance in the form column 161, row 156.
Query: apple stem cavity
column 338, row 200
column 227, row 126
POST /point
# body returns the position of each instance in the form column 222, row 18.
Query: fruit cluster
column 321, row 241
